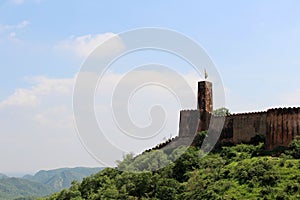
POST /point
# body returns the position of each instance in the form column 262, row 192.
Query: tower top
column 205, row 96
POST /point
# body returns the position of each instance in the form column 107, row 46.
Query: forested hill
column 42, row 183
column 231, row 172
column 61, row 178
column 13, row 188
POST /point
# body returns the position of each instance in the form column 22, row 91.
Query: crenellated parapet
column 286, row 110
column 187, row 111
column 248, row 113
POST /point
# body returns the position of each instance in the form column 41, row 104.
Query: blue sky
column 254, row 44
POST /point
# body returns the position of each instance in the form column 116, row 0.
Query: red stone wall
column 279, row 126
column 205, row 96
column 188, row 124
column 241, row 128
column 283, row 125
column 247, row 126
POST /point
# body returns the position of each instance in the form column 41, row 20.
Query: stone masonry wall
column 240, row 128
column 247, row 126
column 283, row 125
column 205, row 96
column 279, row 126
column 188, row 123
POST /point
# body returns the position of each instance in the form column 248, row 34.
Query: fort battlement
column 248, row 113
column 278, row 125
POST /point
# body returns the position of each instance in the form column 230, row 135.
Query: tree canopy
column 238, row 172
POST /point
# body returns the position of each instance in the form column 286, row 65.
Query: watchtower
column 205, row 104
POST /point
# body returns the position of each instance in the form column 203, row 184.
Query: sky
column 43, row 44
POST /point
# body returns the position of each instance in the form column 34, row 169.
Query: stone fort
column 278, row 126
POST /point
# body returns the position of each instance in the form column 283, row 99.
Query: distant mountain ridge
column 61, row 178
column 42, row 183
column 11, row 188
column 3, row 176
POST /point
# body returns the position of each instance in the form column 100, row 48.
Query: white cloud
column 38, row 121
column 83, row 45
column 13, row 37
column 12, row 34
column 23, row 24
column 11, row 31
column 146, row 88
column 43, row 88
column 37, row 125
column 21, row 97
column 14, row 27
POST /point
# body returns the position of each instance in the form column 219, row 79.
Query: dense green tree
column 221, row 111
column 294, row 148
column 187, row 162
column 236, row 172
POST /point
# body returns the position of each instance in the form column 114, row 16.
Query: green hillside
column 61, row 178
column 230, row 172
column 42, row 183
column 11, row 188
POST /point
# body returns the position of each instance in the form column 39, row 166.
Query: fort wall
column 279, row 126
column 241, row 128
column 283, row 125
column 188, row 123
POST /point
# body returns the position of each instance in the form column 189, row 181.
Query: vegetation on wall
column 221, row 112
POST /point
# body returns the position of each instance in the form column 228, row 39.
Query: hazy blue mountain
column 2, row 176
column 42, row 183
column 11, row 188
column 61, row 178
